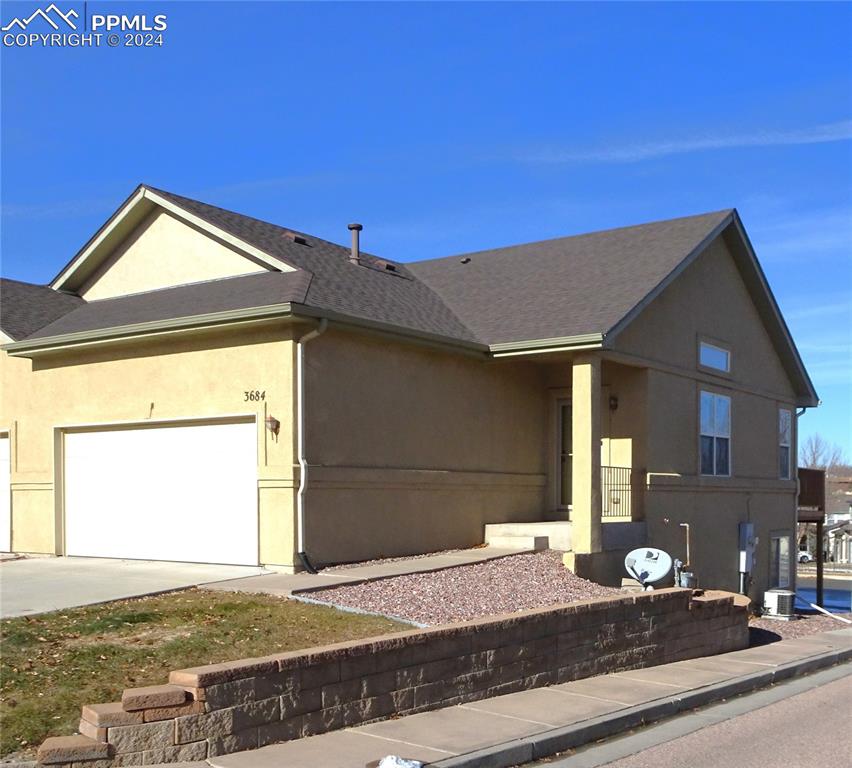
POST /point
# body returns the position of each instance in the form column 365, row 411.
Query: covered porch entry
column 595, row 446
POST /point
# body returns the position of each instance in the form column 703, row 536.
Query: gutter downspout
column 300, row 438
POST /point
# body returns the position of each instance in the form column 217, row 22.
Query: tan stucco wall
column 713, row 516
column 164, row 251
column 417, row 448
column 187, row 378
column 709, row 300
column 624, row 429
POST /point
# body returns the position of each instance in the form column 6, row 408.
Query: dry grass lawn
column 52, row 664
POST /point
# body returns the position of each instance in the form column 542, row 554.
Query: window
column 715, row 434
column 779, row 561
column 711, row 356
column 785, row 434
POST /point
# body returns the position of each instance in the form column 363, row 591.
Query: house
column 837, row 542
column 198, row 385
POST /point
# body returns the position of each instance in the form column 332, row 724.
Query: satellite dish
column 648, row 565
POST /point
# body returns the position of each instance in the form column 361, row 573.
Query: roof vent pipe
column 355, row 255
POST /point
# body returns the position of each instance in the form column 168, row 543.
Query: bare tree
column 817, row 453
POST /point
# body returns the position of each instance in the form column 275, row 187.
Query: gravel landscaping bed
column 763, row 631
column 510, row 584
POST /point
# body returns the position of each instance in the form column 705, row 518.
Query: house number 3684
column 255, row 394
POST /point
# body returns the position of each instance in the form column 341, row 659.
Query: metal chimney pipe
column 355, row 256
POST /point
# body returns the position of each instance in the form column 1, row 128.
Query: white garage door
column 5, row 496
column 186, row 493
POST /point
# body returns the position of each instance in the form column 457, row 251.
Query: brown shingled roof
column 26, row 307
column 183, row 301
column 368, row 291
column 571, row 286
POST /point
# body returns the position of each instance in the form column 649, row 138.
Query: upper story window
column 715, row 434
column 785, row 440
column 714, row 356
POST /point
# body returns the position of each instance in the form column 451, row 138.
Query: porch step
column 536, row 543
column 557, row 534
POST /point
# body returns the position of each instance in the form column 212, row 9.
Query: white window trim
column 788, row 445
column 716, row 435
column 717, row 347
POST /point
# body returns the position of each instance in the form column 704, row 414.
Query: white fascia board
column 144, row 194
column 544, row 346
column 192, row 323
column 63, row 277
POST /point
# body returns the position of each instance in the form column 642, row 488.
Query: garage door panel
column 186, row 493
column 5, row 495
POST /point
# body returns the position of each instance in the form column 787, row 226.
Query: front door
column 564, row 453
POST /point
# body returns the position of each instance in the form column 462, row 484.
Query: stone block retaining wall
column 234, row 706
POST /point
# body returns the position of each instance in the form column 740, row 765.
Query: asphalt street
column 804, row 722
column 806, row 730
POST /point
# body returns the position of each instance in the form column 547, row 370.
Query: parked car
column 805, row 557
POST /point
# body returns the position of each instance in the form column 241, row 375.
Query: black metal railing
column 616, row 492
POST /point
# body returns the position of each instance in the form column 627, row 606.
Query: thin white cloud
column 827, row 349
column 636, row 152
column 821, row 310
column 803, row 236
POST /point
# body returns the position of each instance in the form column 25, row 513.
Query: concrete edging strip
column 549, row 743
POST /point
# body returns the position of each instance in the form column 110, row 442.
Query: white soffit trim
column 143, row 194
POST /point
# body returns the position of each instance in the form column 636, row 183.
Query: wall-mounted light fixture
column 613, row 402
column 273, row 425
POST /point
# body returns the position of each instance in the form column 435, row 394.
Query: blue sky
column 452, row 127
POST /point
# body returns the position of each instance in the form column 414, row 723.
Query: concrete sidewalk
column 286, row 584
column 529, row 725
column 34, row 585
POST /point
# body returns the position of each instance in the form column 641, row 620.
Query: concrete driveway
column 42, row 584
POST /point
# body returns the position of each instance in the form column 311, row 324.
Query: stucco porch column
column 586, row 447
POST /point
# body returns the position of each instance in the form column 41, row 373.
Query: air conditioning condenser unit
column 778, row 604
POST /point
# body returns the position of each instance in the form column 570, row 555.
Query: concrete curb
column 303, row 598
column 344, row 582
column 549, row 743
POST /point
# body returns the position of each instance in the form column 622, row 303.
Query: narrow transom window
column 785, row 435
column 711, row 356
column 715, row 434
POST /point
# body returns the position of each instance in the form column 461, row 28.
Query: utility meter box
column 747, row 547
